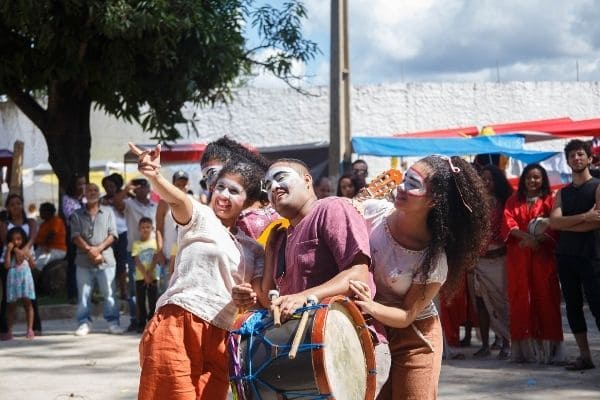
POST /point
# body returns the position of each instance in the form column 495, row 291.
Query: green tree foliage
column 139, row 60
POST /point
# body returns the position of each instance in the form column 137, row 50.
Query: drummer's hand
column 148, row 160
column 362, row 295
column 288, row 304
column 243, row 296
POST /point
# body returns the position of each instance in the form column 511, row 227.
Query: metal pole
column 339, row 126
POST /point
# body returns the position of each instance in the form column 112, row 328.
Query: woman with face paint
column 532, row 280
column 428, row 238
column 182, row 351
column 257, row 215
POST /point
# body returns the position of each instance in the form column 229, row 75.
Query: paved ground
column 99, row 366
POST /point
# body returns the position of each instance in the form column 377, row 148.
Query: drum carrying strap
column 252, row 329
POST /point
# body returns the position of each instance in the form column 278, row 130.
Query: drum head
column 344, row 357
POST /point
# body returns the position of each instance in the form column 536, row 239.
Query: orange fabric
column 53, row 225
column 532, row 281
column 415, row 369
column 183, row 358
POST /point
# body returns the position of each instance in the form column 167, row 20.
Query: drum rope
column 252, row 328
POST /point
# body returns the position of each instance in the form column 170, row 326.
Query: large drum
column 335, row 359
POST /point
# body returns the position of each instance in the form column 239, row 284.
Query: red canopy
column 442, row 133
column 536, row 125
column 178, row 153
column 543, row 129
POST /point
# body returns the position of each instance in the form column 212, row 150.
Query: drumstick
column 310, row 301
column 273, row 294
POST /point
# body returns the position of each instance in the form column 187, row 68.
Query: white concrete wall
column 271, row 117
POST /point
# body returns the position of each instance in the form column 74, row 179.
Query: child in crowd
column 146, row 282
column 19, row 284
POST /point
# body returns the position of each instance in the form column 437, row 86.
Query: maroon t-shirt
column 325, row 242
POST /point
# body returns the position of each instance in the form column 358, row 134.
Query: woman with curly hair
column 255, row 218
column 182, row 351
column 533, row 289
column 425, row 240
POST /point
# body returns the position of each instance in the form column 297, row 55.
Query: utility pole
column 339, row 113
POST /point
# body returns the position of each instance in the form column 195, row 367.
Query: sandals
column 580, row 364
column 30, row 334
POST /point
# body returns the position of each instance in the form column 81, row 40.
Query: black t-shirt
column 576, row 200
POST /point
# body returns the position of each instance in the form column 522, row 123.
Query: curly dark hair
column 522, row 190
column 455, row 229
column 502, row 188
column 577, row 144
column 225, row 149
column 251, row 178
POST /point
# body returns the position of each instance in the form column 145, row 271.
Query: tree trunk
column 67, row 131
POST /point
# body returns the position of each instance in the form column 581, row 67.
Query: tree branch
column 29, row 107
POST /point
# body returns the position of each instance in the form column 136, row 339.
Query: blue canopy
column 509, row 145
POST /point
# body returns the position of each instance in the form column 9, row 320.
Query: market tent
column 535, row 130
column 509, row 145
column 535, row 125
column 559, row 128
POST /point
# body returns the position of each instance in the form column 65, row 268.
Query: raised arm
column 149, row 166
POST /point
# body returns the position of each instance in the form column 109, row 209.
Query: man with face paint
column 324, row 248
column 576, row 214
column 327, row 243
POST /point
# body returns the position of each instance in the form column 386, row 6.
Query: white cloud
column 457, row 40
column 262, row 78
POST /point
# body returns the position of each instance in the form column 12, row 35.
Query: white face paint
column 281, row 177
column 228, row 198
column 230, row 189
column 210, row 174
column 414, row 183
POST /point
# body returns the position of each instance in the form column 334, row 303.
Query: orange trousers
column 415, row 369
column 182, row 357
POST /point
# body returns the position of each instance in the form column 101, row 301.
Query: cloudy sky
column 459, row 40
